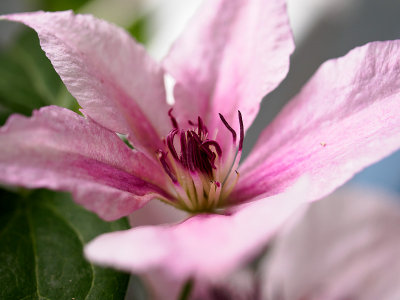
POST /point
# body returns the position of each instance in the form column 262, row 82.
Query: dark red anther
column 208, row 158
column 201, row 128
column 217, row 147
column 241, row 130
column 190, row 151
column 173, row 120
column 183, row 149
column 229, row 128
column 197, row 153
column 196, row 137
column 212, row 160
column 207, row 150
column 170, row 143
column 163, row 160
column 200, row 124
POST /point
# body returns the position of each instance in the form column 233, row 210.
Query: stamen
column 191, row 189
column 212, row 195
column 241, row 130
column 162, row 156
column 170, row 143
column 200, row 124
column 198, row 186
column 173, row 120
column 203, row 180
column 229, row 128
column 212, row 160
column 228, row 189
column 182, row 196
column 191, row 151
column 196, row 137
column 213, row 143
column 184, row 152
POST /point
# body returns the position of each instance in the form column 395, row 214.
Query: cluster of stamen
column 202, row 176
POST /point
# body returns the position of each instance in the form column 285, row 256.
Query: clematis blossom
column 187, row 154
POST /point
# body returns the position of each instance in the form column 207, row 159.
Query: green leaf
column 54, row 5
column 138, row 30
column 28, row 80
column 42, row 236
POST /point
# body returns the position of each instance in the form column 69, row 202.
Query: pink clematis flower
column 229, row 57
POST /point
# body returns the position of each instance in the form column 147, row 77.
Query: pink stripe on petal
column 205, row 246
column 232, row 54
column 110, row 75
column 61, row 150
column 345, row 118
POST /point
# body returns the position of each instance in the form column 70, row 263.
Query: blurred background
column 323, row 29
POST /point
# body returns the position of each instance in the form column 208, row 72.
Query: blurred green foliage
column 54, row 5
column 138, row 30
column 42, row 235
column 28, row 80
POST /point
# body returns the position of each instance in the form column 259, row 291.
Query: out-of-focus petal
column 345, row 247
column 156, row 213
column 204, row 246
column 110, row 75
column 159, row 286
column 231, row 54
column 345, row 118
column 240, row 285
column 61, row 150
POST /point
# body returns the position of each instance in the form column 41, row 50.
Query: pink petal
column 109, row 74
column 205, row 246
column 156, row 213
column 240, row 285
column 345, row 118
column 345, row 247
column 231, row 55
column 61, row 150
column 161, row 286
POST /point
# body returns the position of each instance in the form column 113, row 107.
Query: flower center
column 202, row 175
